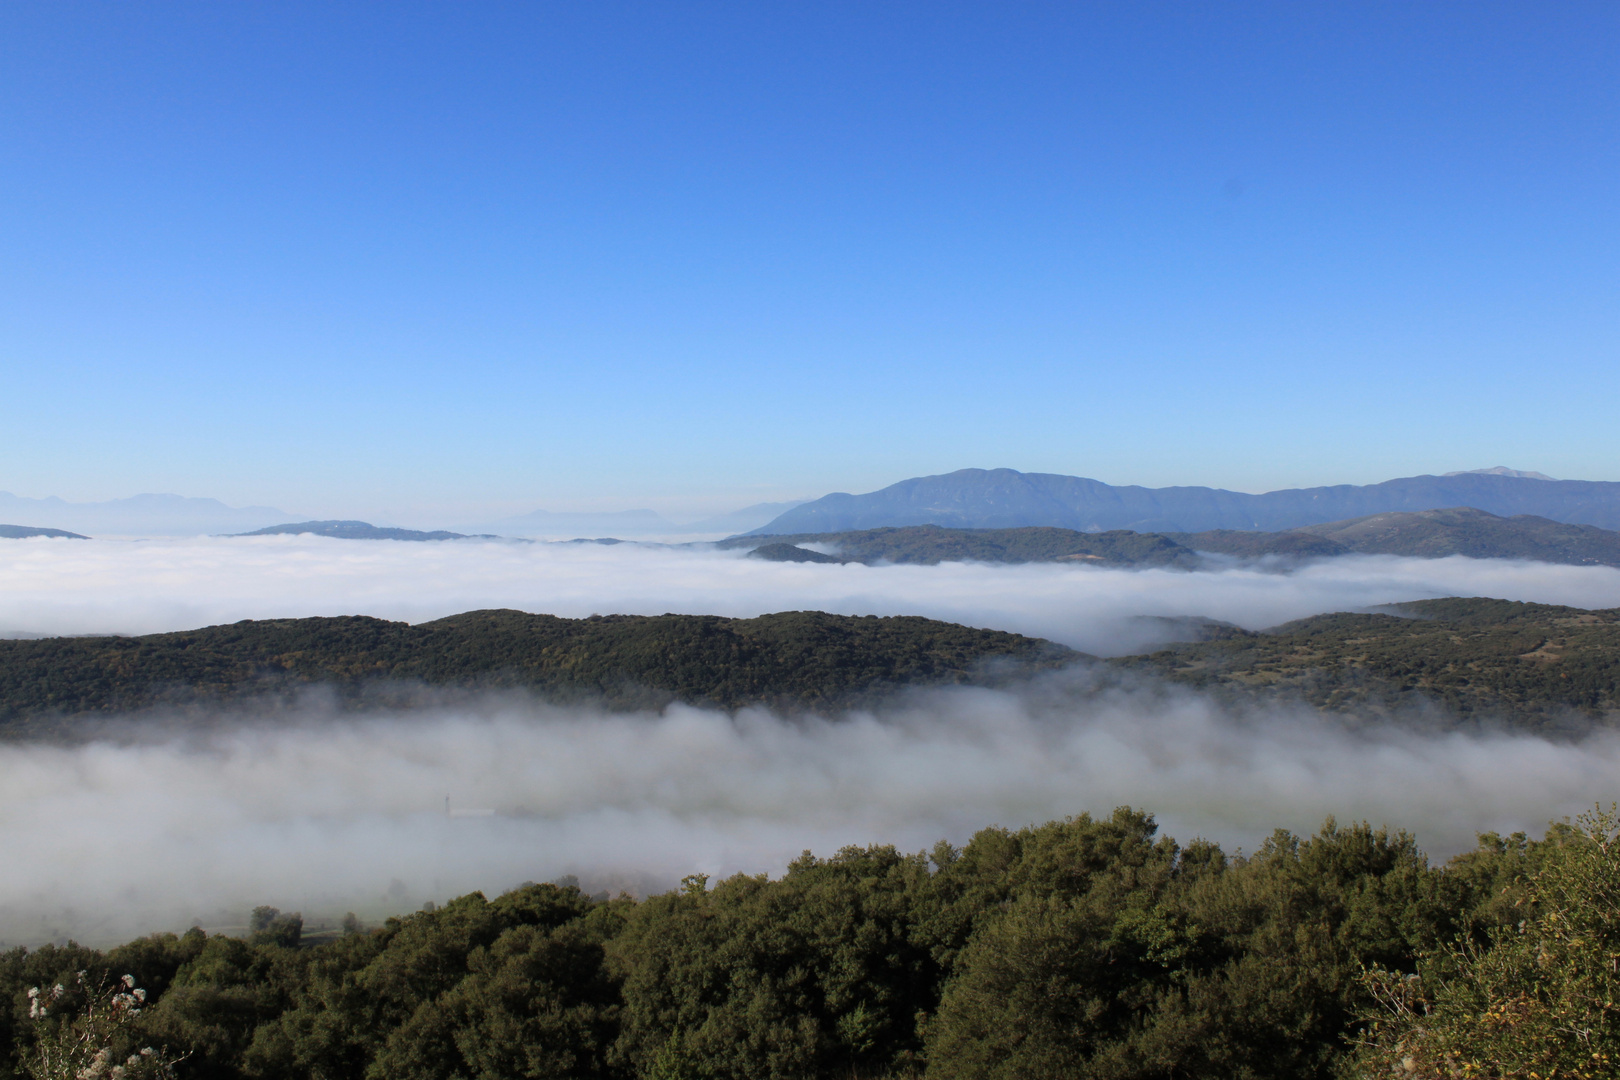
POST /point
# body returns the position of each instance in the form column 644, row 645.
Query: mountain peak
column 1502, row 470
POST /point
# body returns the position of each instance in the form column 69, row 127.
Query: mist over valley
column 267, row 793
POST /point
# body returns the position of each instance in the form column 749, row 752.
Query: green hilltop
column 1538, row 667
column 790, row 660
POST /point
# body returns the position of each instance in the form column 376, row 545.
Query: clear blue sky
column 418, row 261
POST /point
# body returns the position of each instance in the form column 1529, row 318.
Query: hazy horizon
column 679, row 515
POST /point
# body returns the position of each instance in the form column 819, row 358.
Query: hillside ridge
column 1461, row 531
column 789, row 660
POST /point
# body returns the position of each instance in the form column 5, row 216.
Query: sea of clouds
column 138, row 587
column 327, row 813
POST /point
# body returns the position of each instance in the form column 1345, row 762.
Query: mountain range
column 966, row 499
column 1006, row 498
column 139, row 515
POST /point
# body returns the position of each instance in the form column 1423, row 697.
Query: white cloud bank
column 107, row 841
column 82, row 587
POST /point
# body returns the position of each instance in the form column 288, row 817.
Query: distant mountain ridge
column 353, row 530
column 139, row 515
column 24, row 532
column 569, row 524
column 1006, row 498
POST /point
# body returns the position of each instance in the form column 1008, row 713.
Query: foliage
column 1541, row 999
column 87, row 1033
column 1542, row 667
column 794, row 659
column 1089, row 948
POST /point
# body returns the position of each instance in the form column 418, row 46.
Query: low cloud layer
column 327, row 814
column 83, row 587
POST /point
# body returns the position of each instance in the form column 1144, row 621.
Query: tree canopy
column 1092, row 947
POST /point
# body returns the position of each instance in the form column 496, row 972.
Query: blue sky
column 423, row 262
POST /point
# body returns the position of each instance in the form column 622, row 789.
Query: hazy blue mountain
column 353, row 530
column 22, row 532
column 139, row 515
column 546, row 524
column 749, row 517
column 1005, row 498
column 1503, row 470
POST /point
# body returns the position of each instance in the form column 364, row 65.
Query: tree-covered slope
column 791, row 659
column 1535, row 666
column 1295, row 545
column 1429, row 534
column 930, row 544
column 1463, row 530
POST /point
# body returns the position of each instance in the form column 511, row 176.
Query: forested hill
column 930, row 544
column 1428, row 534
column 795, row 659
column 1537, row 667
column 1534, row 667
column 1463, row 530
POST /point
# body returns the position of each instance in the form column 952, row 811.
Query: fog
column 327, row 814
column 323, row 813
column 84, row 587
